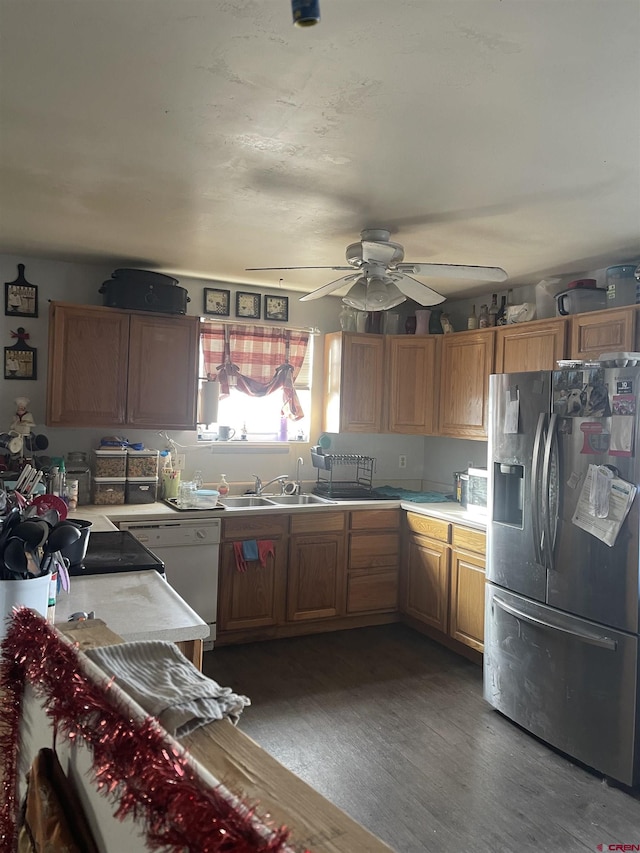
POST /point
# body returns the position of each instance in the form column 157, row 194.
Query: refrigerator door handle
column 535, row 488
column 550, row 525
column 594, row 639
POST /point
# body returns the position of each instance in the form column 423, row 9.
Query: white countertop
column 108, row 517
column 136, row 605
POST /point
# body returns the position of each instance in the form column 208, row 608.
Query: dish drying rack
column 343, row 475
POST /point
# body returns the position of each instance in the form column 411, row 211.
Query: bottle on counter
column 223, row 486
column 483, row 319
column 197, row 480
column 493, row 310
column 501, row 319
column 472, row 319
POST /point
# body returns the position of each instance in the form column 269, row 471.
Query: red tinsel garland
column 134, row 762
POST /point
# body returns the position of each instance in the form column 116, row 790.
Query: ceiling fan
column 382, row 281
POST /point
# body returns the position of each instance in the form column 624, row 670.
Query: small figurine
column 445, row 322
column 23, row 422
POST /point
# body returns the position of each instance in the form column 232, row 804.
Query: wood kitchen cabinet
column 412, row 383
column 254, row 598
column 353, row 382
column 465, row 366
column 316, row 576
column 373, row 561
column 443, row 580
column 597, row 332
column 530, row 346
column 109, row 367
column 467, row 586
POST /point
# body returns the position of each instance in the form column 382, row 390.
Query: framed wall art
column 217, row 302
column 248, row 305
column 20, row 360
column 276, row 307
column 20, row 297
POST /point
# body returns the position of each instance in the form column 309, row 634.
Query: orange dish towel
column 265, row 548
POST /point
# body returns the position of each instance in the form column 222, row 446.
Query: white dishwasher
column 190, row 551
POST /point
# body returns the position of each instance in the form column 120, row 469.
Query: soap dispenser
column 223, row 486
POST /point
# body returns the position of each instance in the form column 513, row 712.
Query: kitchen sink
column 298, row 500
column 245, row 501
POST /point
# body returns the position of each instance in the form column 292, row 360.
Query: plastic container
column 621, row 286
column 109, row 463
column 109, row 491
column 141, row 490
column 142, row 463
column 78, row 469
column 32, row 592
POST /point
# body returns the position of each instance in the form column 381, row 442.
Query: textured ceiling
column 202, row 137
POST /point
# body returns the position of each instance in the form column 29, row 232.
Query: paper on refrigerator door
column 620, row 497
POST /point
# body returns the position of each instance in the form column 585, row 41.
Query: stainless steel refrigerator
column 562, row 603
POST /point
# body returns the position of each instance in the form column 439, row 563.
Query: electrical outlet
column 402, row 461
column 181, row 461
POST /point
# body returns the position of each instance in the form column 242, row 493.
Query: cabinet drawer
column 373, row 550
column 435, row 528
column 318, row 522
column 259, row 526
column 471, row 540
column 375, row 519
column 372, row 591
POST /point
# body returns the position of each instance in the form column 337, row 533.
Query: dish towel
column 241, row 563
column 265, row 548
column 161, row 680
column 250, row 549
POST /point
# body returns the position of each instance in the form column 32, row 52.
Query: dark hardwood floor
column 392, row 728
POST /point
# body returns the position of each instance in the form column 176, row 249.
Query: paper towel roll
column 209, row 396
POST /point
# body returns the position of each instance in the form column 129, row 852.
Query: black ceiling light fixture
column 306, row 13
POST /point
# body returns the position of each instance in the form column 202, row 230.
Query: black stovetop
column 115, row 551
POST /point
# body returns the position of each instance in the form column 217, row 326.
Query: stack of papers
column 620, row 497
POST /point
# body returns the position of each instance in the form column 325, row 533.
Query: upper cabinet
column 109, row 367
column 412, row 384
column 602, row 331
column 353, row 382
column 465, row 366
column 530, row 346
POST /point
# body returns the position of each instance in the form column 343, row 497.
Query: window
column 234, row 354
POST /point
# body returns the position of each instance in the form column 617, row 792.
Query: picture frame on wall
column 217, row 302
column 20, row 297
column 276, row 308
column 248, row 305
column 20, row 360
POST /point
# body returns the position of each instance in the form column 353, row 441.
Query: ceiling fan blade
column 455, row 271
column 416, row 290
column 378, row 253
column 265, row 269
column 328, row 288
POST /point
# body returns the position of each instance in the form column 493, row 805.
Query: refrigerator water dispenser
column 508, row 485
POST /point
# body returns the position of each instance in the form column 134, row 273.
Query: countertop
column 136, row 605
column 108, row 517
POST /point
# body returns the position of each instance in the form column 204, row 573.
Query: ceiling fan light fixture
column 376, row 295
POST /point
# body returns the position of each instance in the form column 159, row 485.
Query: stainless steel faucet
column 259, row 486
column 299, row 463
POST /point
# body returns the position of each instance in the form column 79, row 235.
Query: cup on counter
column 188, row 496
column 171, row 484
column 225, row 433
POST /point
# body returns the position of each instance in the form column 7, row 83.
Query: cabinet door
column 412, row 384
column 466, row 363
column 316, row 583
column 87, row 370
column 602, row 331
column 353, row 380
column 163, row 372
column 467, row 598
column 530, row 346
column 372, row 591
column 426, row 586
column 253, row 598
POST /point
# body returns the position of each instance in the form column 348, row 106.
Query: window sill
column 240, row 446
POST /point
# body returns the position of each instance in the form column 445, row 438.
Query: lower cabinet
column 316, row 576
column 253, row 597
column 443, row 579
